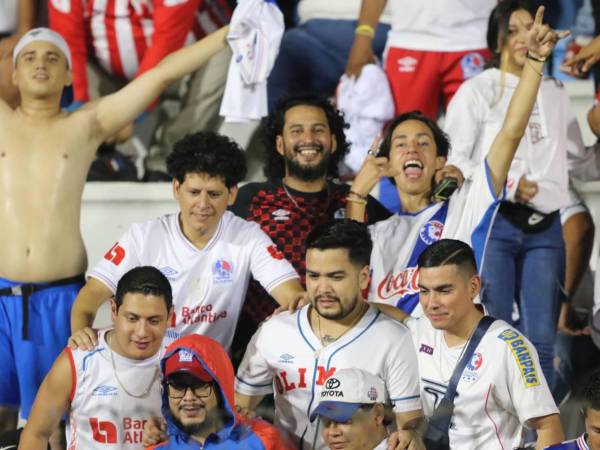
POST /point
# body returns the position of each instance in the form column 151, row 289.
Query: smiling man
column 198, row 402
column 207, row 253
column 109, row 392
column 502, row 388
column 304, row 144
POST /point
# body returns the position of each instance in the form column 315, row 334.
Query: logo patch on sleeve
column 523, row 357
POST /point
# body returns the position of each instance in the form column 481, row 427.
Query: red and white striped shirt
column 128, row 37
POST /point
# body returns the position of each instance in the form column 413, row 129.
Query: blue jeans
column 528, row 268
column 313, row 57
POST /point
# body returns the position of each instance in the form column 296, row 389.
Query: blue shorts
column 28, row 351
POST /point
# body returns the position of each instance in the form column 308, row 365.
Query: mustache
column 327, row 297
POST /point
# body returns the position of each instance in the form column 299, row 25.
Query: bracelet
column 535, row 57
column 360, row 201
column 541, row 74
column 362, row 197
column 365, row 30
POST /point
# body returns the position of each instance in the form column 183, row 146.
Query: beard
column 307, row 172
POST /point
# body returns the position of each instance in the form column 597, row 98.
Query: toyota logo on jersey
column 332, row 383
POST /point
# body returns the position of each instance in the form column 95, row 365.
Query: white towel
column 367, row 104
column 254, row 36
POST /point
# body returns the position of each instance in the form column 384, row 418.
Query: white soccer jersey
column 500, row 389
column 287, row 358
column 209, row 285
column 398, row 241
column 439, row 25
column 103, row 415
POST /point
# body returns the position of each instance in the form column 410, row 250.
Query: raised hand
column 541, row 39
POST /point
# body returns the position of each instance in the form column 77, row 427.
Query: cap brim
column 336, row 411
column 596, row 328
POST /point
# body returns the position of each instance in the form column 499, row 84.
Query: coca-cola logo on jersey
column 401, row 284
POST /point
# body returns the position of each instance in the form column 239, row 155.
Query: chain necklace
column 114, row 367
column 305, row 210
column 326, row 340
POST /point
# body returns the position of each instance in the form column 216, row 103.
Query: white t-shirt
column 295, row 366
column 397, row 240
column 439, row 25
column 209, row 285
column 475, row 116
column 103, row 414
column 501, row 388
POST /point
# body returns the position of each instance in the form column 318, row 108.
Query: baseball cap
column 43, row 34
column 345, row 392
column 185, row 361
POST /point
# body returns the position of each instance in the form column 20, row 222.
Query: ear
column 113, row 310
column 170, row 316
column 364, row 277
column 334, row 143
column 440, row 161
column 233, row 192
column 379, row 411
column 176, row 188
column 69, row 78
column 14, row 76
column 279, row 144
column 474, row 286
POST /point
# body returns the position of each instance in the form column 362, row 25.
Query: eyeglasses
column 178, row 390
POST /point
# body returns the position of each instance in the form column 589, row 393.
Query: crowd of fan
column 439, row 315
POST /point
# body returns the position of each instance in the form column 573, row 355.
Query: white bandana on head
column 42, row 34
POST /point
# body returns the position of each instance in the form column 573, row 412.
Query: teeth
column 413, row 163
column 308, row 152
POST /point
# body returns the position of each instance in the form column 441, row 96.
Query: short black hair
column 343, row 233
column 497, row 31
column 442, row 142
column 208, row 153
column 145, row 280
column 449, row 252
column 589, row 391
column 273, row 127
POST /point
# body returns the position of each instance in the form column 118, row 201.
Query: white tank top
column 112, row 397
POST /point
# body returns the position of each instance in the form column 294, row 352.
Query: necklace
column 327, row 339
column 114, row 367
column 304, row 210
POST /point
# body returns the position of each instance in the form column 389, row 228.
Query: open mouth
column 309, row 153
column 413, row 168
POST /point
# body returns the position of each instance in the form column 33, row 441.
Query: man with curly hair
column 206, row 252
column 304, row 144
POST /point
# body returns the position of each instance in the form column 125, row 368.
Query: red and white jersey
column 103, row 415
column 439, row 25
column 209, row 285
column 500, row 389
column 398, row 241
column 287, row 358
column 128, row 37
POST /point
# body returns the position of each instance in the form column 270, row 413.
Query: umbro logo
column 104, row 391
column 407, row 64
column 286, row 358
column 281, row 214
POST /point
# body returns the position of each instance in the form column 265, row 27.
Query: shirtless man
column 44, row 158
